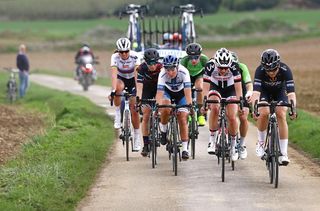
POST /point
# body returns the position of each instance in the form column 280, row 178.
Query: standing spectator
column 23, row 66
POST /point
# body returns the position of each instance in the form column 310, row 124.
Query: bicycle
column 154, row 134
column 187, row 25
column 173, row 135
column 134, row 29
column 126, row 127
column 223, row 149
column 12, row 87
column 193, row 125
column 271, row 144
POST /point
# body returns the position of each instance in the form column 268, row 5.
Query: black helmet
column 270, row 59
column 151, row 55
column 194, row 49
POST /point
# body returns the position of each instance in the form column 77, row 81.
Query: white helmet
column 123, row 44
column 223, row 58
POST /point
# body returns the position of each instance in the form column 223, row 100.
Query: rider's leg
column 199, row 85
column 232, row 110
column 213, row 124
column 117, row 102
column 182, row 121
column 262, row 124
column 136, row 124
column 283, row 129
column 243, row 125
column 146, row 110
column 164, row 118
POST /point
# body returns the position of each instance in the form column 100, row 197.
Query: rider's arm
column 246, row 78
column 160, row 86
column 290, row 85
column 237, row 81
column 209, row 67
column 257, row 84
column 114, row 71
column 187, row 87
column 139, row 82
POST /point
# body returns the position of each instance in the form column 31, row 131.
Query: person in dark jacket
column 23, row 66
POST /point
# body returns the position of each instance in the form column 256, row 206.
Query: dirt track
column 302, row 56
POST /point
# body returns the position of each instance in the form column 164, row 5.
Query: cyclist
column 195, row 62
column 148, row 73
column 223, row 82
column 273, row 80
column 174, row 84
column 84, row 53
column 123, row 68
column 247, row 93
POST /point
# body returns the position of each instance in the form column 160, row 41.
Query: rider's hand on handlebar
column 203, row 110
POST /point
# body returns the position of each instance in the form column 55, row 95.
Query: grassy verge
column 305, row 133
column 54, row 171
column 102, row 80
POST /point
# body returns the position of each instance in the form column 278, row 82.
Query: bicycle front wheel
column 276, row 149
column 223, row 153
column 175, row 147
column 127, row 132
column 193, row 136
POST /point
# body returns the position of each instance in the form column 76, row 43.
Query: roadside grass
column 304, row 133
column 53, row 171
column 102, row 80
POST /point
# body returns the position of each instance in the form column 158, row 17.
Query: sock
column 262, row 136
column 233, row 141
column 163, row 128
column 213, row 135
column 185, row 146
column 146, row 140
column 242, row 141
column 284, row 146
column 136, row 131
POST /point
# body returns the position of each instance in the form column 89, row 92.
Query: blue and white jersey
column 181, row 81
column 125, row 67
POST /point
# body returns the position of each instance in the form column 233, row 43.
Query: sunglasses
column 150, row 63
column 223, row 68
column 122, row 52
column 272, row 70
column 194, row 57
column 170, row 68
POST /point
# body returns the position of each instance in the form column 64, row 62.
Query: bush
column 242, row 5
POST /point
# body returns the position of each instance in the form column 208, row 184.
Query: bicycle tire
column 175, row 147
column 193, row 136
column 223, row 151
column 270, row 158
column 276, row 155
column 126, row 132
column 153, row 141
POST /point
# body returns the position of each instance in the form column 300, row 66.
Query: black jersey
column 147, row 77
column 283, row 79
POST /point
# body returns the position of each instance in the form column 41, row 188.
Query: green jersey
column 245, row 75
column 194, row 69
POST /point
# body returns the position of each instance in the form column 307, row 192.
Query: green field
column 213, row 28
column 53, row 171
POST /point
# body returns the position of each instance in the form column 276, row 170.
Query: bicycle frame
column 223, row 143
column 272, row 144
column 126, row 127
column 193, row 125
column 134, row 29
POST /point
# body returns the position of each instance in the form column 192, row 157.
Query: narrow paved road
column 134, row 185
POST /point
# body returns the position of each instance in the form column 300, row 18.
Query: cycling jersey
column 197, row 69
column 181, row 81
column 276, row 88
column 282, row 79
column 149, row 79
column 212, row 75
column 125, row 67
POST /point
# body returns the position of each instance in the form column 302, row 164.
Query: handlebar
column 174, row 106
column 223, row 101
column 134, row 8
column 123, row 94
column 272, row 105
column 190, row 8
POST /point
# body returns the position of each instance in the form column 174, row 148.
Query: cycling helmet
column 234, row 57
column 194, row 49
column 151, row 55
column 270, row 59
column 123, row 44
column 167, row 36
column 223, row 58
column 170, row 61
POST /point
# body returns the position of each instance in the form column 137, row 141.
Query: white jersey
column 212, row 75
column 181, row 81
column 125, row 67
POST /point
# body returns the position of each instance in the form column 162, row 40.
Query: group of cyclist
column 222, row 76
